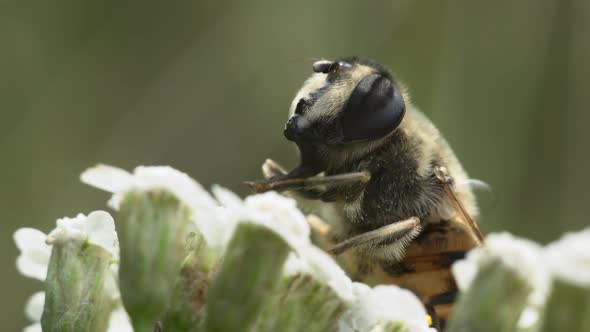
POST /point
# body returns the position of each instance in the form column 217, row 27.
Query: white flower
column 35, row 247
column 213, row 221
column 375, row 307
column 271, row 210
column 119, row 182
column 523, row 256
column 215, row 218
column 315, row 262
column 98, row 228
column 35, row 252
column 569, row 258
column 280, row 214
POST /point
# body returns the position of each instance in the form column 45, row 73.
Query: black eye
column 374, row 109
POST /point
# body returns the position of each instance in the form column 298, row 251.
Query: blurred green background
column 205, row 87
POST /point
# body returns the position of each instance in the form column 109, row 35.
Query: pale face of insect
column 345, row 102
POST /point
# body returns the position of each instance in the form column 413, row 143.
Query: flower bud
column 302, row 303
column 493, row 302
column 80, row 287
column 154, row 227
column 508, row 266
column 568, row 305
column 187, row 310
column 247, row 278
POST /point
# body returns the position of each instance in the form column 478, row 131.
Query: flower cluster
column 190, row 260
column 184, row 259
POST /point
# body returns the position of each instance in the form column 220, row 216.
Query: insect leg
column 403, row 231
column 310, row 183
column 271, row 169
column 322, row 229
column 279, row 180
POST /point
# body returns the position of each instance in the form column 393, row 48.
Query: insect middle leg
column 398, row 234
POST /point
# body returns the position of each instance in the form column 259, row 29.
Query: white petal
column 111, row 283
column 363, row 314
column 400, row 305
column 27, row 238
column 528, row 318
column 180, row 184
column 569, row 258
column 118, row 182
column 119, row 321
column 214, row 221
column 108, row 178
column 374, row 307
column 100, row 228
column 30, row 268
column 216, row 224
column 326, row 270
column 33, row 328
column 227, row 198
column 279, row 214
column 115, row 201
column 295, row 265
column 464, row 272
column 521, row 255
column 34, row 306
column 34, row 253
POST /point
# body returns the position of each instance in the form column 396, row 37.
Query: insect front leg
column 327, row 188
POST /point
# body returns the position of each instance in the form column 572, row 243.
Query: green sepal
column 567, row 308
column 153, row 231
column 247, row 280
column 493, row 302
column 302, row 303
column 77, row 297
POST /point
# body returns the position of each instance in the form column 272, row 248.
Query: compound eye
column 374, row 109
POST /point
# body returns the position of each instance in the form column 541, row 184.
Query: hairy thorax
column 396, row 191
column 402, row 182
